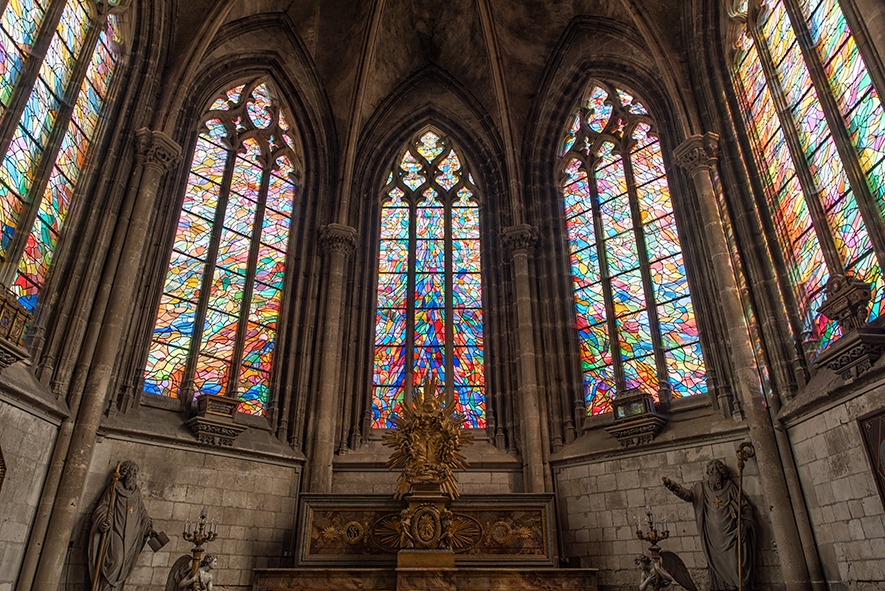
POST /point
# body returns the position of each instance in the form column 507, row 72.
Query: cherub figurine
column 203, row 580
column 659, row 574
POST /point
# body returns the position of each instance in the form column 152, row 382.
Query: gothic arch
column 618, row 55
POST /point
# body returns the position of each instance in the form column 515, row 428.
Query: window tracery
column 635, row 320
column 57, row 63
column 429, row 320
column 217, row 319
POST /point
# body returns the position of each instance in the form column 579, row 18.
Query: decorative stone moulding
column 848, row 303
column 13, row 319
column 636, row 421
column 2, row 469
column 215, row 421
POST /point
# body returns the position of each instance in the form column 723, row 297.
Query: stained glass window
column 821, row 216
column 50, row 111
column 217, row 320
column 635, row 321
column 429, row 300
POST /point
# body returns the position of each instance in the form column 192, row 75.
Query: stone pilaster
column 158, row 153
column 338, row 243
column 519, row 242
column 697, row 156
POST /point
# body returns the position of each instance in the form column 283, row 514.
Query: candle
column 187, row 525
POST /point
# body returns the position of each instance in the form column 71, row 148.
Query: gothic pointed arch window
column 217, row 320
column 429, row 320
column 57, row 65
column 634, row 315
column 817, row 131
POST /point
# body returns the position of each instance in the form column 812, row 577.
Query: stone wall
column 846, row 511
column 254, row 499
column 26, row 439
column 600, row 493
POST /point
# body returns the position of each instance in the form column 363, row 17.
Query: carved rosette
column 338, row 239
column 156, row 149
column 519, row 239
column 698, row 153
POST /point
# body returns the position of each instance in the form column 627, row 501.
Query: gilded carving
column 426, row 442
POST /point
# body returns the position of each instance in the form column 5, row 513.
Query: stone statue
column 203, row 580
column 120, row 526
column 717, row 508
column 657, row 574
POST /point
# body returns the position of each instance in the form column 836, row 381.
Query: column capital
column 697, row 153
column 338, row 238
column 99, row 9
column 519, row 239
column 157, row 149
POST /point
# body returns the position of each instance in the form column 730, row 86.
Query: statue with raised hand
column 717, row 506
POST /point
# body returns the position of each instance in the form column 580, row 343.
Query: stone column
column 697, row 155
column 338, row 241
column 519, row 241
column 160, row 153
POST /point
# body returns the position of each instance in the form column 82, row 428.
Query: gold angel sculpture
column 427, row 442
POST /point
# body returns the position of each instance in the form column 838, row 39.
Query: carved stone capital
column 157, row 149
column 697, row 153
column 519, row 239
column 338, row 238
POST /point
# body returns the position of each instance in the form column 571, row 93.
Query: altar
column 426, row 536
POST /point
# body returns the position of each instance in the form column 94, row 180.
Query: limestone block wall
column 26, row 439
column 253, row 498
column 846, row 510
column 599, row 496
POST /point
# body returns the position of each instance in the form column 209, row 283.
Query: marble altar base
column 425, row 579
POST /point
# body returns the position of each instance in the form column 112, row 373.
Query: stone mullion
column 803, row 173
column 249, row 288
column 50, row 153
column 605, row 282
column 28, row 78
column 449, row 298
column 647, row 284
column 856, row 177
column 187, row 382
column 857, row 14
column 409, row 348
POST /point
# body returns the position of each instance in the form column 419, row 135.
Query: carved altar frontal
column 486, row 530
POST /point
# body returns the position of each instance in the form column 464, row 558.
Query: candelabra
column 654, row 535
column 200, row 532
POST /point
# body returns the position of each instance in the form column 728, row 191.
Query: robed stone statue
column 119, row 528
column 717, row 507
